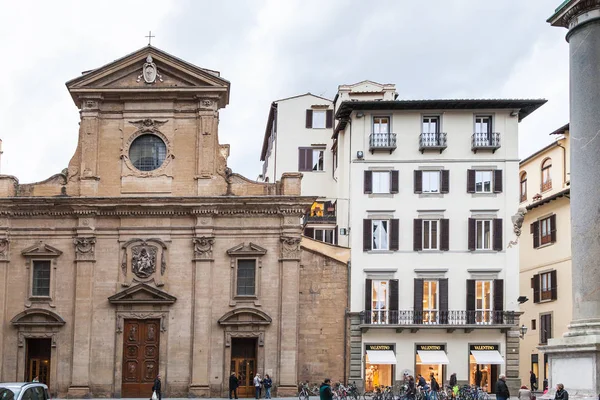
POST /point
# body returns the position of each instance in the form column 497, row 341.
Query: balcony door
column 380, row 298
column 483, row 302
column 381, row 125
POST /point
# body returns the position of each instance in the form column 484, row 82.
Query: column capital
column 574, row 13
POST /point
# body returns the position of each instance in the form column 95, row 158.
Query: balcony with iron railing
column 547, row 185
column 450, row 320
column 320, row 219
column 382, row 141
column 485, row 141
column 432, row 141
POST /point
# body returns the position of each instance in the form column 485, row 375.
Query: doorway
column 243, row 363
column 140, row 357
column 38, row 360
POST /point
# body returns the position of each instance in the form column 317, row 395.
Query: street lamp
column 523, row 331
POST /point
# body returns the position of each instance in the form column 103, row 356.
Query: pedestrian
column 156, row 388
column 561, row 393
column 525, row 393
column 502, row 392
column 435, row 386
column 325, row 392
column 478, row 377
column 412, row 390
column 533, row 381
column 453, row 384
column 267, row 383
column 422, row 382
column 257, row 382
column 233, row 385
column 36, row 379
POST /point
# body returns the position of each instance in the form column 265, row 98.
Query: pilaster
column 88, row 142
column 4, row 259
column 356, row 352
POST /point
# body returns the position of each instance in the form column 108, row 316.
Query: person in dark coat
column 561, row 393
column 157, row 387
column 502, row 392
column 478, row 377
column 233, row 385
column 267, row 383
column 411, row 391
column 533, row 381
column 422, row 382
column 435, row 386
column 325, row 392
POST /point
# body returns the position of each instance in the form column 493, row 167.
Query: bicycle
column 304, row 393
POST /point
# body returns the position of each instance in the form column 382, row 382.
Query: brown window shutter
column 498, row 301
column 445, row 181
column 367, row 235
column 470, row 181
column 368, row 294
column 535, row 229
column 309, row 232
column 470, row 301
column 471, row 239
column 444, row 234
column 394, row 301
column 543, row 330
column 553, row 228
column 443, row 286
column 554, row 285
column 418, row 301
column 498, row 181
column 394, row 234
column 498, row 240
column 395, row 182
column 418, row 234
column 335, row 235
column 368, row 182
column 309, row 118
column 329, row 119
column 535, row 284
column 418, row 181
column 301, row 159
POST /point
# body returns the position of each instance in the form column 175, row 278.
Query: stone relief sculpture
column 290, row 247
column 203, row 247
column 517, row 221
column 85, row 247
column 143, row 260
column 149, row 72
column 3, row 248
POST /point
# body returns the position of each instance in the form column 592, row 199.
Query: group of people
column 257, row 382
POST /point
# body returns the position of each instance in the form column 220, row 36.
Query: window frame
column 545, row 224
column 430, row 235
column 480, row 172
column 388, row 124
column 314, row 112
column 423, row 180
column 546, row 175
column 545, row 331
column 431, row 315
column 323, row 230
column 546, row 286
column 316, row 151
column 388, row 237
column 380, row 315
column 477, row 124
column 485, row 314
column 48, row 263
column 388, row 180
column 523, row 186
column 483, row 221
column 429, row 119
column 236, row 294
column 158, row 163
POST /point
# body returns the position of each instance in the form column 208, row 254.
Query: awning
column 433, row 357
column 488, row 357
column 381, row 357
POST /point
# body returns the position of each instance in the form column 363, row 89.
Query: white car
column 23, row 391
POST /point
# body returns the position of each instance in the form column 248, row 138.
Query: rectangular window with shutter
column 318, row 119
column 483, row 302
column 431, row 182
column 380, row 302
column 545, row 328
column 380, row 234
column 545, row 286
column 381, row 181
column 430, row 302
column 483, row 181
column 483, row 234
column 430, row 234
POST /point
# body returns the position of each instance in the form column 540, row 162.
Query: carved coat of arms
column 149, row 71
column 143, row 260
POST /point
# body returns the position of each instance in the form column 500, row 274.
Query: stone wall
column 323, row 302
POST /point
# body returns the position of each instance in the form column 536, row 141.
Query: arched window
column 546, row 177
column 523, row 186
column 147, row 152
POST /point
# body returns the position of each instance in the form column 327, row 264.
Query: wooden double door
column 38, row 360
column 141, row 340
column 243, row 363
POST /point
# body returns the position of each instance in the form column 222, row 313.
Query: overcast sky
column 274, row 49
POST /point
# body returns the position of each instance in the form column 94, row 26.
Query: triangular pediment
column 37, row 317
column 245, row 316
column 142, row 294
column 41, row 250
column 249, row 249
column 172, row 74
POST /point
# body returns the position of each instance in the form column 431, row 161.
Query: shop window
column 431, row 361
column 535, row 367
column 483, row 302
column 380, row 306
column 484, row 362
column 430, row 303
column 380, row 362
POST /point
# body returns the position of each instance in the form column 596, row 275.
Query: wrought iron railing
column 546, row 185
column 429, row 317
column 485, row 140
column 435, row 140
column 382, row 141
column 325, row 219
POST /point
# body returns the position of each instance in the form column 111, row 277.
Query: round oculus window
column 147, row 152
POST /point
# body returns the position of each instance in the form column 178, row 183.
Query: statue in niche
column 143, row 262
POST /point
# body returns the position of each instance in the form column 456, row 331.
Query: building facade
column 148, row 255
column 545, row 252
column 424, row 199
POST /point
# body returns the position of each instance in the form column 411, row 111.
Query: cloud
column 271, row 49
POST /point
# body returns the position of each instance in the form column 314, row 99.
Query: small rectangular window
column 533, row 324
column 431, row 181
column 483, row 181
column 430, row 234
column 380, row 235
column 545, row 231
column 41, row 279
column 546, row 286
column 246, row 278
column 318, row 119
column 325, row 235
column 381, row 182
column 483, row 234
column 317, row 159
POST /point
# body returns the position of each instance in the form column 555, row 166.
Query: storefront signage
column 484, row 347
column 431, row 347
column 379, row 347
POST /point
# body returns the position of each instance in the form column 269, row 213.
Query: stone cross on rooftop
column 149, row 36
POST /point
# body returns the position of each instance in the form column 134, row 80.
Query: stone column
column 203, row 264
column 3, row 317
column 575, row 359
column 356, row 352
column 85, row 259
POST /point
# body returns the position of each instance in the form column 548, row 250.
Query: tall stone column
column 4, row 260
column 85, row 259
column 575, row 358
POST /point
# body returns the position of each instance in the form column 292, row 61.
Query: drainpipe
column 346, row 316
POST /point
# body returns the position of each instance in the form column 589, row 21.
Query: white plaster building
column 425, row 191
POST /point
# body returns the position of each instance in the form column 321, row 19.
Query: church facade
column 148, row 255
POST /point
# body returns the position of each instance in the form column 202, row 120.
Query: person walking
column 525, row 393
column 502, row 392
column 453, row 384
column 257, row 382
column 478, row 376
column 533, row 381
column 561, row 393
column 267, row 383
column 325, row 392
column 435, row 387
column 411, row 391
column 157, row 387
column 233, row 385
